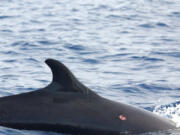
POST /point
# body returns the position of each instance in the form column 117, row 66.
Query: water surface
column 127, row 51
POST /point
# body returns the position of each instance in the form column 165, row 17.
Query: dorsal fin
column 64, row 77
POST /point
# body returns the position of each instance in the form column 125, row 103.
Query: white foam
column 172, row 112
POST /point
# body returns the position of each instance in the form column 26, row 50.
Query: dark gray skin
column 67, row 106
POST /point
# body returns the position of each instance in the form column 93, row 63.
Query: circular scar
column 122, row 117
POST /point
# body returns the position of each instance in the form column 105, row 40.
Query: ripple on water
column 31, row 60
column 22, row 43
column 116, row 57
column 114, row 17
column 146, row 25
column 74, row 47
column 46, row 42
column 171, row 54
column 9, row 52
column 5, row 17
column 145, row 58
column 80, row 49
column 91, row 61
column 160, row 24
column 153, row 87
column 176, row 14
column 32, row 30
column 10, row 61
column 128, row 89
column 7, row 30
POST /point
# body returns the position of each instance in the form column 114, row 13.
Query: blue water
column 125, row 50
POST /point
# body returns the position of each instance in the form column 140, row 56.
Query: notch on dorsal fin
column 63, row 76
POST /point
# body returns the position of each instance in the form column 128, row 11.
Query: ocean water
column 125, row 50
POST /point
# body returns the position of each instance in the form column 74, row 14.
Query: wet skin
column 67, row 106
